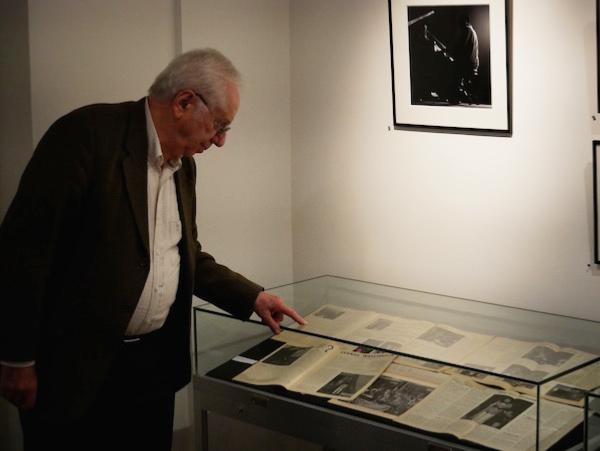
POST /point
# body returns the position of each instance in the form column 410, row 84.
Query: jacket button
column 142, row 264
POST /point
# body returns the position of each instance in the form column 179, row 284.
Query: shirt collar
column 155, row 154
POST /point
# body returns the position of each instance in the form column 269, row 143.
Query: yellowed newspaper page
column 397, row 390
column 445, row 343
column 344, row 375
column 535, row 361
column 509, row 423
column 546, row 359
column 571, row 389
column 426, row 377
column 316, row 366
column 586, row 378
column 441, row 403
column 498, row 353
column 495, row 418
column 423, row 364
column 289, row 362
column 476, row 413
column 336, row 321
column 387, row 331
column 556, row 420
column 442, row 410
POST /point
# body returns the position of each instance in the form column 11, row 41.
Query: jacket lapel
column 185, row 198
column 136, row 171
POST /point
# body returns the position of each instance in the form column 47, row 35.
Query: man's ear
column 182, row 102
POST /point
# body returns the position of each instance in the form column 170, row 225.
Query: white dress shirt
column 164, row 233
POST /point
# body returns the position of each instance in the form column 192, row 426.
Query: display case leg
column 202, row 435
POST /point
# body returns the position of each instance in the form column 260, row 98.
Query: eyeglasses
column 220, row 130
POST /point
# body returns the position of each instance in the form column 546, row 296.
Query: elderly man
column 100, row 260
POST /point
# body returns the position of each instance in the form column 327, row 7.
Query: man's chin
column 192, row 152
column 200, row 149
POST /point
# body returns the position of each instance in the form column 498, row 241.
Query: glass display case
column 383, row 367
column 592, row 420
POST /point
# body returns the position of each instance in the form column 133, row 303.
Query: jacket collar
column 135, row 168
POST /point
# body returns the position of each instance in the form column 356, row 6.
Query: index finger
column 293, row 314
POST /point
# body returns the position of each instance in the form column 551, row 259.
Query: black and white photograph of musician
column 286, row 355
column 543, row 355
column 566, row 392
column 345, row 384
column 449, row 49
column 498, row 410
column 392, row 396
column 441, row 337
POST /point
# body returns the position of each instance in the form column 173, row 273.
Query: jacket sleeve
column 38, row 220
column 217, row 283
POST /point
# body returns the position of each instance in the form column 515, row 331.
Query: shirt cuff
column 18, row 364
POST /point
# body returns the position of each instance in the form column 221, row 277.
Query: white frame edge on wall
column 596, row 196
column 494, row 118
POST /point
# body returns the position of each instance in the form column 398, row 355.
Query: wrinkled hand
column 19, row 385
column 272, row 309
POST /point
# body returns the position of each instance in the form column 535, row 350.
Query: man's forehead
column 234, row 95
column 232, row 102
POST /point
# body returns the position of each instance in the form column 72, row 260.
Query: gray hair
column 205, row 70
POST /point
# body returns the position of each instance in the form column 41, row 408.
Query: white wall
column 95, row 51
column 505, row 220
column 243, row 189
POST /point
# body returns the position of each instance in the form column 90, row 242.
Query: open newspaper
column 535, row 361
column 435, row 401
column 411, row 336
column 441, row 403
column 505, row 356
column 318, row 367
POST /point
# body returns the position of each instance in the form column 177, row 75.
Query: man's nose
column 218, row 140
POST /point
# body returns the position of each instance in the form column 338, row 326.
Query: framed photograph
column 451, row 65
column 596, row 188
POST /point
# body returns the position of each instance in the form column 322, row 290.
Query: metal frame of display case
column 592, row 421
column 336, row 428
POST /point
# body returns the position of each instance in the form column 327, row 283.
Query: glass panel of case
column 517, row 363
column 592, row 420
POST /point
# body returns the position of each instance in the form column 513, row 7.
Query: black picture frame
column 596, row 197
column 451, row 66
column 598, row 53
